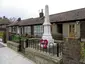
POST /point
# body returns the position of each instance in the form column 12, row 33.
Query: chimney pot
column 41, row 14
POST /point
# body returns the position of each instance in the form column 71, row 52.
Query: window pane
column 27, row 29
column 72, row 30
column 38, row 30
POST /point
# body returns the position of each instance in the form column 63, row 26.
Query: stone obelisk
column 47, row 27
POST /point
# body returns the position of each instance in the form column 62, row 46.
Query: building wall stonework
column 66, row 29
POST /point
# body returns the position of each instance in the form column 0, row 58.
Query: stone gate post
column 71, row 51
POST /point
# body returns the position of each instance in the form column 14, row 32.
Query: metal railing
column 53, row 49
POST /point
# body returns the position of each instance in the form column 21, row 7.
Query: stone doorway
column 60, row 28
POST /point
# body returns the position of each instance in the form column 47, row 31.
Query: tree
column 19, row 19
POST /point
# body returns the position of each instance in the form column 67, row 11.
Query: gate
column 3, row 34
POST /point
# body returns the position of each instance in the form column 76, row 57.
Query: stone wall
column 71, row 52
column 40, row 57
column 13, row 45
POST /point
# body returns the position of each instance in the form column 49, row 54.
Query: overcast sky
column 30, row 8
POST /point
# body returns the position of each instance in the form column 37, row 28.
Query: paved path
column 8, row 56
column 1, row 46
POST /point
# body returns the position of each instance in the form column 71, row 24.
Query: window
column 27, row 30
column 38, row 30
column 9, row 29
column 14, row 29
column 72, row 30
column 18, row 30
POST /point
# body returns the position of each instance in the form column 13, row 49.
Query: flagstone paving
column 8, row 56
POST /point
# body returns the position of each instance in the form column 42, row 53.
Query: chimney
column 41, row 14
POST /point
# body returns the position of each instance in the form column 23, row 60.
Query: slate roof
column 77, row 14
column 32, row 21
column 16, row 23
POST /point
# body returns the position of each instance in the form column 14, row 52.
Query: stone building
column 69, row 24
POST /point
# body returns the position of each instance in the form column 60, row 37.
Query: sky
column 31, row 8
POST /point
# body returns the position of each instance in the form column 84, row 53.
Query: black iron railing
column 54, row 49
